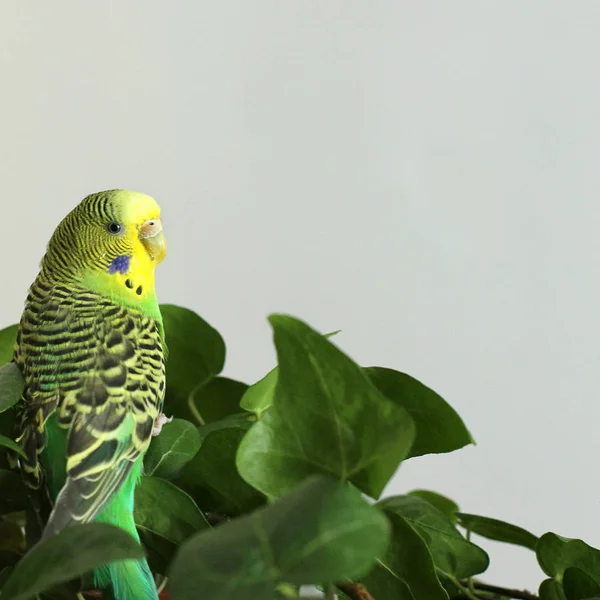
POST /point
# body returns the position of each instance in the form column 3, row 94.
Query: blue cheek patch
column 119, row 265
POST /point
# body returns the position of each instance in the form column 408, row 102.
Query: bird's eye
column 114, row 228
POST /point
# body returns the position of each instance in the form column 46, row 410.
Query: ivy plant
column 256, row 490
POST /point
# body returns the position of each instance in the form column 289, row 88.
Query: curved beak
column 153, row 239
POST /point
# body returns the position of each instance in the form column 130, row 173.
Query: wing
column 99, row 368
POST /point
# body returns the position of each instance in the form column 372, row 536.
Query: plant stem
column 501, row 591
column 161, row 586
column 465, row 589
column 329, row 592
column 355, row 591
column 192, row 406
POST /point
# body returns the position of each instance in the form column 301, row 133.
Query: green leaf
column 452, row 554
column 578, row 585
column 211, row 477
column 438, row 426
column 8, row 559
column 218, row 399
column 162, row 508
column 259, row 397
column 321, row 532
column 4, row 574
column 551, row 590
column 11, row 536
column 81, row 548
column 327, row 418
column 555, row 554
column 12, row 445
column 8, row 337
column 170, row 451
column 165, row 517
column 196, row 354
column 14, row 496
column 62, row 592
column 11, row 385
column 407, row 570
column 442, row 503
column 7, row 429
column 493, row 529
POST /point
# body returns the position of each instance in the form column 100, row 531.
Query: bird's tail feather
column 127, row 580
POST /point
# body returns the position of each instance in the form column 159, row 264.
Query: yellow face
column 140, row 216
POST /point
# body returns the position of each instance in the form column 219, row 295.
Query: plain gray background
column 422, row 175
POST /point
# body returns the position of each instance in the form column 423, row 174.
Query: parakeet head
column 112, row 237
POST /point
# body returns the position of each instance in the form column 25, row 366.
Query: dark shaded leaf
column 164, row 509
column 211, row 477
column 7, row 429
column 327, row 418
column 14, row 496
column 442, row 503
column 452, row 554
column 438, row 426
column 556, row 554
column 551, row 590
column 8, row 559
column 4, row 575
column 240, row 420
column 196, row 354
column 8, row 337
column 11, row 385
column 8, row 443
column 176, row 445
column 407, row 571
column 500, row 531
column 165, row 516
column 321, row 532
column 12, row 538
column 578, row 585
column 81, row 548
column 218, row 399
column 61, row 592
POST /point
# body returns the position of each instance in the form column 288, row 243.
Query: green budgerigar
column 90, row 346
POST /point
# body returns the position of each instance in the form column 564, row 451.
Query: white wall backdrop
column 423, row 175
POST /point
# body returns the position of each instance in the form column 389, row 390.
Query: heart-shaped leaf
column 551, row 590
column 218, row 399
column 442, row 503
column 12, row 538
column 578, row 585
column 14, row 496
column 8, row 337
column 259, row 396
column 170, row 451
column 164, row 509
column 165, row 517
column 327, row 417
column 211, row 477
column 321, row 532
column 438, row 426
column 12, row 445
column 80, row 549
column 452, row 554
column 196, row 354
column 499, row 531
column 407, row 571
column 556, row 554
column 11, row 385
